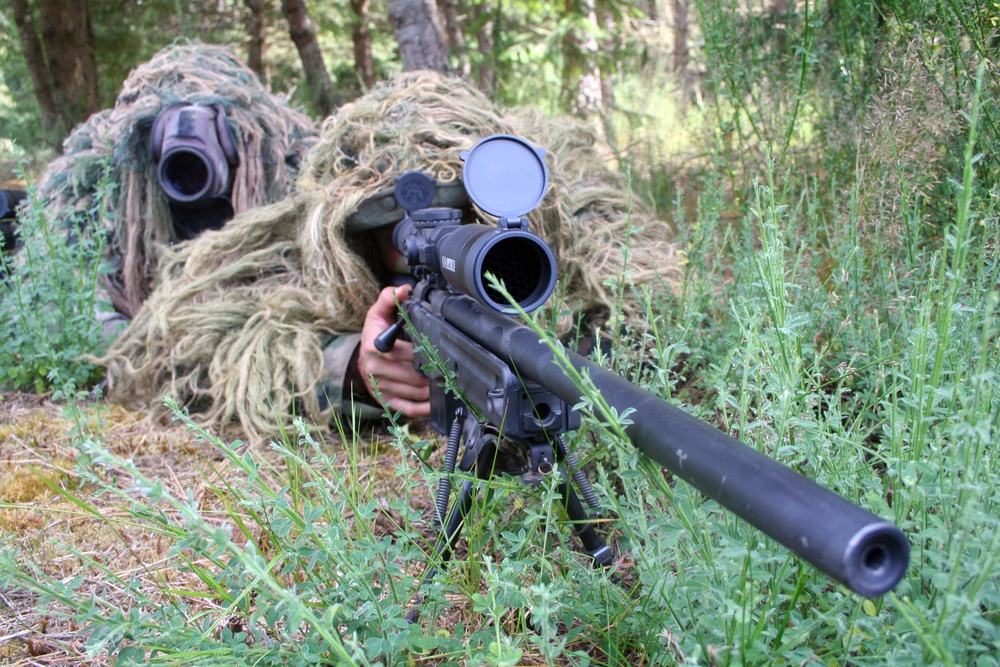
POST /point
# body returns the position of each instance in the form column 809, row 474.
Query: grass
column 50, row 294
column 838, row 313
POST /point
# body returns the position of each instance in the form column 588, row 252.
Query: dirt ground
column 37, row 458
column 42, row 526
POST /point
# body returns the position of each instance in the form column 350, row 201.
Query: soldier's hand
column 401, row 385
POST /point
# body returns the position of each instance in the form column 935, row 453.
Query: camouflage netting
column 234, row 330
column 271, row 140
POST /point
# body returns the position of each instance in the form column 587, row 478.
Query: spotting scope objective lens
column 195, row 151
column 185, row 175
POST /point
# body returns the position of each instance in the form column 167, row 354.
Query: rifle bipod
column 489, row 456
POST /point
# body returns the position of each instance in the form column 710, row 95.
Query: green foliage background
column 50, row 297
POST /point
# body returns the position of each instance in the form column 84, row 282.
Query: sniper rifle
column 509, row 397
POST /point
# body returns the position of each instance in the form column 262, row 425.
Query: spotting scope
column 195, row 152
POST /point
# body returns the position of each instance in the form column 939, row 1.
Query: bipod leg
column 446, row 540
column 449, row 533
column 593, row 544
column 480, row 452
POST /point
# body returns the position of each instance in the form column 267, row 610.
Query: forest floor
column 53, row 521
column 41, row 518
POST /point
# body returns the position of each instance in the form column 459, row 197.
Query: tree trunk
column 35, row 59
column 91, row 73
column 61, row 59
column 681, row 52
column 486, row 72
column 418, row 32
column 303, row 34
column 680, row 8
column 609, row 48
column 778, row 15
column 68, row 39
column 364, row 64
column 257, row 34
column 581, row 75
column 453, row 30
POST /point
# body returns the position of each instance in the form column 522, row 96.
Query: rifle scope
column 506, row 177
column 465, row 254
column 194, row 149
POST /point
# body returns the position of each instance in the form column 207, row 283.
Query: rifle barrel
column 854, row 546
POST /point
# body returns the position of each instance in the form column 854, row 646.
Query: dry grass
column 37, row 446
column 41, row 515
column 60, row 525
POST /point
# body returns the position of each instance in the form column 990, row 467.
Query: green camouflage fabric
column 332, row 392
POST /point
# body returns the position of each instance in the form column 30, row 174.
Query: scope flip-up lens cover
column 505, row 175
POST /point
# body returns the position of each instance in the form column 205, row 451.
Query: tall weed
column 49, row 299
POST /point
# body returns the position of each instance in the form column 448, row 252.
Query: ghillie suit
column 236, row 329
column 112, row 152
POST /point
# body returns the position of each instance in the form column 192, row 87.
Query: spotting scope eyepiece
column 194, row 148
column 9, row 199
